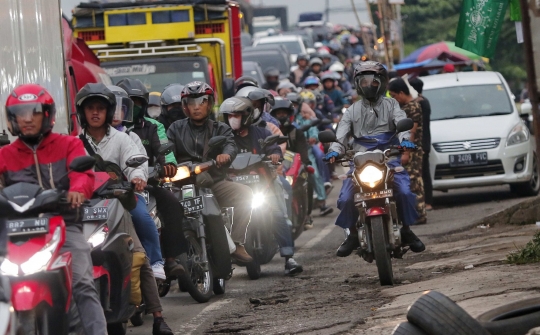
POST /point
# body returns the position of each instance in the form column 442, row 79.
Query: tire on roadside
column 437, row 314
column 512, row 319
column 407, row 328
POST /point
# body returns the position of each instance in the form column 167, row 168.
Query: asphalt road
column 332, row 294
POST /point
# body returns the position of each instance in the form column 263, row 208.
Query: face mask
column 285, row 122
column 235, row 123
column 176, row 113
column 136, row 112
column 154, row 111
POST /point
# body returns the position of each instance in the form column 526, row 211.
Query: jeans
column 146, row 231
column 318, row 183
column 84, row 292
column 282, row 230
column 288, row 194
column 321, row 166
column 229, row 194
column 426, row 176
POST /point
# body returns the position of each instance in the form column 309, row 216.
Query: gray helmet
column 315, row 60
column 238, row 105
column 171, row 94
column 97, row 91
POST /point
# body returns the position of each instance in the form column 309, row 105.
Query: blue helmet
column 312, row 80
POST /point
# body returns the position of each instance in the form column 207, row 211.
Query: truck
column 263, row 25
column 170, row 41
column 275, row 14
column 37, row 47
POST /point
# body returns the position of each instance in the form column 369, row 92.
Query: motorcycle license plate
column 192, row 205
column 358, row 197
column 476, row 158
column 27, row 226
column 95, row 213
column 247, row 179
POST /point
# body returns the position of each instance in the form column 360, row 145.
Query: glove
column 408, row 144
column 331, row 154
column 169, row 170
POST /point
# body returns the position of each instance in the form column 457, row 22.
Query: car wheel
column 407, row 328
column 531, row 187
column 512, row 319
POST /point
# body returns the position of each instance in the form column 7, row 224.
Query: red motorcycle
column 40, row 275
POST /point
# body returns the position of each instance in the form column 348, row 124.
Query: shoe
column 348, row 246
column 159, row 272
column 308, row 224
column 292, row 268
column 172, row 268
column 160, row 327
column 325, row 210
column 136, row 319
column 429, row 208
column 328, row 187
column 241, row 254
column 408, row 238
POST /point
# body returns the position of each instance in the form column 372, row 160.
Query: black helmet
column 271, row 72
column 172, row 94
column 285, row 105
column 124, row 105
column 237, row 105
column 297, row 99
column 136, row 89
column 245, row 81
column 97, row 91
column 365, row 74
column 302, row 56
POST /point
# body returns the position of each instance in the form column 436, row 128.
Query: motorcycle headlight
column 258, row 200
column 370, row 176
column 41, row 258
column 97, row 238
column 518, row 134
column 9, row 269
column 290, row 180
column 182, row 172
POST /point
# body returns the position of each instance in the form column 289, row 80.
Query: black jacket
column 426, row 130
column 190, row 142
column 297, row 143
column 148, row 133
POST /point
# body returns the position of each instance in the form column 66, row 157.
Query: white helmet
column 337, row 67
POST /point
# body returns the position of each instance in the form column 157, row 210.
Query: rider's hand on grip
column 76, row 199
column 169, row 170
column 331, row 157
column 408, row 145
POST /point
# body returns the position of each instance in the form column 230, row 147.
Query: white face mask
column 154, row 111
column 235, row 123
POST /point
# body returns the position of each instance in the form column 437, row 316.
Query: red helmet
column 196, row 92
column 30, row 98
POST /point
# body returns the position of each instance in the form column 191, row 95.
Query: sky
column 295, row 7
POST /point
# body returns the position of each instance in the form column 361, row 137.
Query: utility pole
column 385, row 31
column 327, row 10
column 367, row 44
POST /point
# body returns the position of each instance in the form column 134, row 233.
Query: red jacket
column 19, row 163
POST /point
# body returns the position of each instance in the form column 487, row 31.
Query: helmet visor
column 24, row 111
column 124, row 110
column 196, row 101
column 368, row 84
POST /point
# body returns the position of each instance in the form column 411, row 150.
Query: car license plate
column 192, row 205
column 474, row 158
column 373, row 195
column 95, row 213
column 247, row 179
column 27, row 226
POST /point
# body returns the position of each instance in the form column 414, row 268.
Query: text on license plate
column 373, row 195
column 247, row 179
column 192, row 204
column 474, row 158
column 27, row 226
column 95, row 213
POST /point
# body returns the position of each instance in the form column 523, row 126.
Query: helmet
column 295, row 98
column 154, row 108
column 286, row 84
column 245, row 81
column 271, row 72
column 98, row 91
column 315, row 60
column 308, row 96
column 328, row 76
column 170, row 95
column 311, row 80
column 255, row 93
column 302, row 56
column 286, row 105
column 337, row 67
column 365, row 74
column 30, row 98
column 194, row 90
column 319, row 97
column 136, row 89
column 124, row 105
column 237, row 105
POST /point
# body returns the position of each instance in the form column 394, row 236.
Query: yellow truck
column 165, row 42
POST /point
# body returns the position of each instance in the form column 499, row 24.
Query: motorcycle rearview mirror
column 304, row 127
column 166, row 148
column 272, row 139
column 136, row 161
column 83, row 163
column 326, row 122
column 315, row 122
column 327, row 136
column 404, row 125
column 282, row 139
column 217, row 141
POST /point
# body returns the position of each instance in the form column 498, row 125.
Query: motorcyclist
column 171, row 105
column 285, row 88
column 154, row 106
column 238, row 113
column 96, row 106
column 191, row 136
column 314, row 69
column 244, row 81
column 172, row 236
column 374, row 117
column 271, row 75
column 39, row 156
column 328, row 80
column 343, row 81
column 298, row 71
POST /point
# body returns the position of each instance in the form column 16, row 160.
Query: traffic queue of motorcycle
column 220, row 193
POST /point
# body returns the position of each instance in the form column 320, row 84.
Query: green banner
column 479, row 25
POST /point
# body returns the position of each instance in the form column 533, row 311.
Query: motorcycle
column 111, row 247
column 8, row 319
column 296, row 173
column 40, row 275
column 378, row 224
column 208, row 260
column 259, row 174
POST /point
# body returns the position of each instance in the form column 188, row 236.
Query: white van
column 477, row 135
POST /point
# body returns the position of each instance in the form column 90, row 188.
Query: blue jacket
column 256, row 133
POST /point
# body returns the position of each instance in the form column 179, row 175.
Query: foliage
column 529, row 254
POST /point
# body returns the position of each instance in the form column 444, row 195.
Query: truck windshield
column 157, row 75
column 468, row 101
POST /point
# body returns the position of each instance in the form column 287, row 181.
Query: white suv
column 293, row 43
column 477, row 135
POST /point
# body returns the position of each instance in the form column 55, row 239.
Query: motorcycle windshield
column 375, row 157
column 244, row 160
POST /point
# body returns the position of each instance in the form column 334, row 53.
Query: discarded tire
column 407, row 328
column 512, row 319
column 437, row 314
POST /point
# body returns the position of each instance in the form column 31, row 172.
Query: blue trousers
column 318, row 183
column 282, row 229
column 146, row 231
column 288, row 194
column 324, row 171
column 405, row 201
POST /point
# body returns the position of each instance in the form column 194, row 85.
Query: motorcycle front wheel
column 382, row 253
column 197, row 281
